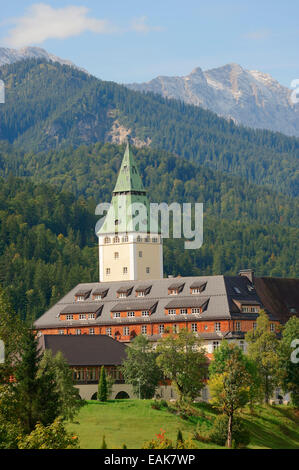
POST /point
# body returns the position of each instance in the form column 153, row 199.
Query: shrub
column 53, row 436
column 163, row 442
column 218, row 434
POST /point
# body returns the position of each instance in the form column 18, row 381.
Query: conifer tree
column 102, row 387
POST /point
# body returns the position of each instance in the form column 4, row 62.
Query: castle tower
column 127, row 251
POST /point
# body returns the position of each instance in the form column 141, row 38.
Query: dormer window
column 248, row 309
column 197, row 287
column 116, row 315
column 107, row 240
column 69, row 317
column 99, row 293
column 82, row 295
column 124, row 292
column 116, row 240
column 145, row 313
column 172, row 311
column 125, row 239
column 91, row 316
column 183, row 311
column 131, row 314
column 82, row 316
column 143, row 290
column 175, row 288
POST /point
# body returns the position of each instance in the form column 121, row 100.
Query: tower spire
column 129, row 179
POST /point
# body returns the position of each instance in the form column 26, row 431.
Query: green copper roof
column 128, row 178
column 128, row 191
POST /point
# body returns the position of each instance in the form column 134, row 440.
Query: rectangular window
column 82, row 316
column 80, row 298
column 254, row 325
column 171, row 311
column 61, row 332
column 195, row 291
column 108, row 331
column 217, row 326
column 91, row 316
column 145, row 313
column 125, row 270
column 183, row 311
column 69, row 317
column 272, row 326
column 126, row 331
column 194, row 327
column 107, row 271
column 161, row 329
column 195, row 310
column 116, row 315
column 238, row 326
column 78, row 332
column 122, row 295
column 147, row 270
column 131, row 314
column 91, row 331
column 175, row 328
column 215, row 345
column 140, row 294
column 144, row 329
column 116, row 255
column 242, row 345
column 140, row 254
column 98, row 297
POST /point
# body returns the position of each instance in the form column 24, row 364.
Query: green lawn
column 134, row 421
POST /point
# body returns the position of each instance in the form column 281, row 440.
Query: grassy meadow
column 132, row 422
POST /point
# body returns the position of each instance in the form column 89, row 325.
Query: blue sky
column 132, row 40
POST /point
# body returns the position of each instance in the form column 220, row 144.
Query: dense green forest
column 49, row 106
column 91, row 171
column 47, row 240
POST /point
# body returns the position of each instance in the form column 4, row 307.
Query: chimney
column 249, row 273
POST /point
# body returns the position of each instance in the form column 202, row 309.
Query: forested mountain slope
column 49, row 105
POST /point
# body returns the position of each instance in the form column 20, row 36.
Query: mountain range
column 248, row 97
column 11, row 56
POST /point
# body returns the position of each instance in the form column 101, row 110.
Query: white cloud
column 258, row 35
column 42, row 22
column 139, row 25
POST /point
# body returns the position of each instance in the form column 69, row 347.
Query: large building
column 133, row 298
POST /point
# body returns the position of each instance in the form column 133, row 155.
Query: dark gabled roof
column 279, row 296
column 86, row 350
column 83, row 292
column 186, row 302
column 198, row 285
column 125, row 290
column 82, row 308
column 135, row 305
column 247, row 302
column 100, row 291
column 143, row 288
column 177, row 285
